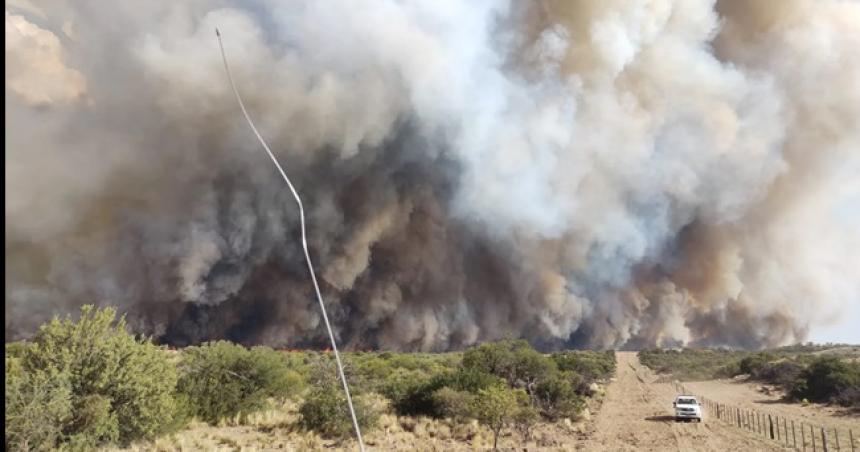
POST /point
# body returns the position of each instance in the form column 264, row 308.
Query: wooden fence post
column 823, row 439
column 803, row 436
column 836, row 437
column 812, row 434
column 777, row 427
column 770, row 423
column 785, row 424
column 851, row 438
column 793, row 436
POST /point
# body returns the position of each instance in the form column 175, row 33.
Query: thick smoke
column 587, row 173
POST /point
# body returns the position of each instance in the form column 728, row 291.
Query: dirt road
column 637, row 416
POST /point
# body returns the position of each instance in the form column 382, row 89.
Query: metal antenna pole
column 304, row 243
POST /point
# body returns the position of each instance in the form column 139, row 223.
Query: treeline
column 691, row 364
column 84, row 384
column 801, row 372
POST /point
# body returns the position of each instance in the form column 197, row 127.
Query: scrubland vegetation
column 814, row 373
column 88, row 383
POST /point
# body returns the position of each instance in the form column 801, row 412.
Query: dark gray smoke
column 589, row 173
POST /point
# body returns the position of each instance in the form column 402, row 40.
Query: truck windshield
column 686, row 401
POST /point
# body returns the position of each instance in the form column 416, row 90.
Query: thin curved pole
column 304, row 243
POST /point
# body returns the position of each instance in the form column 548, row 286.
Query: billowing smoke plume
column 590, row 173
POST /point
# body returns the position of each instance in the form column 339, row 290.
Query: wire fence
column 793, row 433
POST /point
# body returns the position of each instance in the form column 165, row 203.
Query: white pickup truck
column 687, row 407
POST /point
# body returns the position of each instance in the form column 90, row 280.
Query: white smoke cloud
column 594, row 173
column 35, row 70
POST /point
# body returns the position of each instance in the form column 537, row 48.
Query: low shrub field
column 86, row 383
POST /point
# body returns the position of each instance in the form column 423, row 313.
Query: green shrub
column 526, row 415
column 825, row 379
column 412, row 398
column 556, row 398
column 497, row 407
column 849, row 397
column 783, row 373
column 325, row 410
column 16, row 349
column 578, row 383
column 592, row 366
column 121, row 389
column 38, row 407
column 94, row 422
column 513, row 360
column 370, row 371
column 222, row 380
column 418, row 397
column 754, row 364
column 453, row 404
column 470, row 380
column 511, row 363
column 728, row 370
column 691, row 364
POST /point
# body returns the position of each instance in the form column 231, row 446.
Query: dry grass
column 277, row 428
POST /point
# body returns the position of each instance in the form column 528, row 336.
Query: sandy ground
column 637, row 416
column 766, row 400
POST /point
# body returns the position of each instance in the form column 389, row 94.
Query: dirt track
column 637, row 416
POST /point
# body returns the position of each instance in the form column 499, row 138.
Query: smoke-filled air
column 596, row 174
